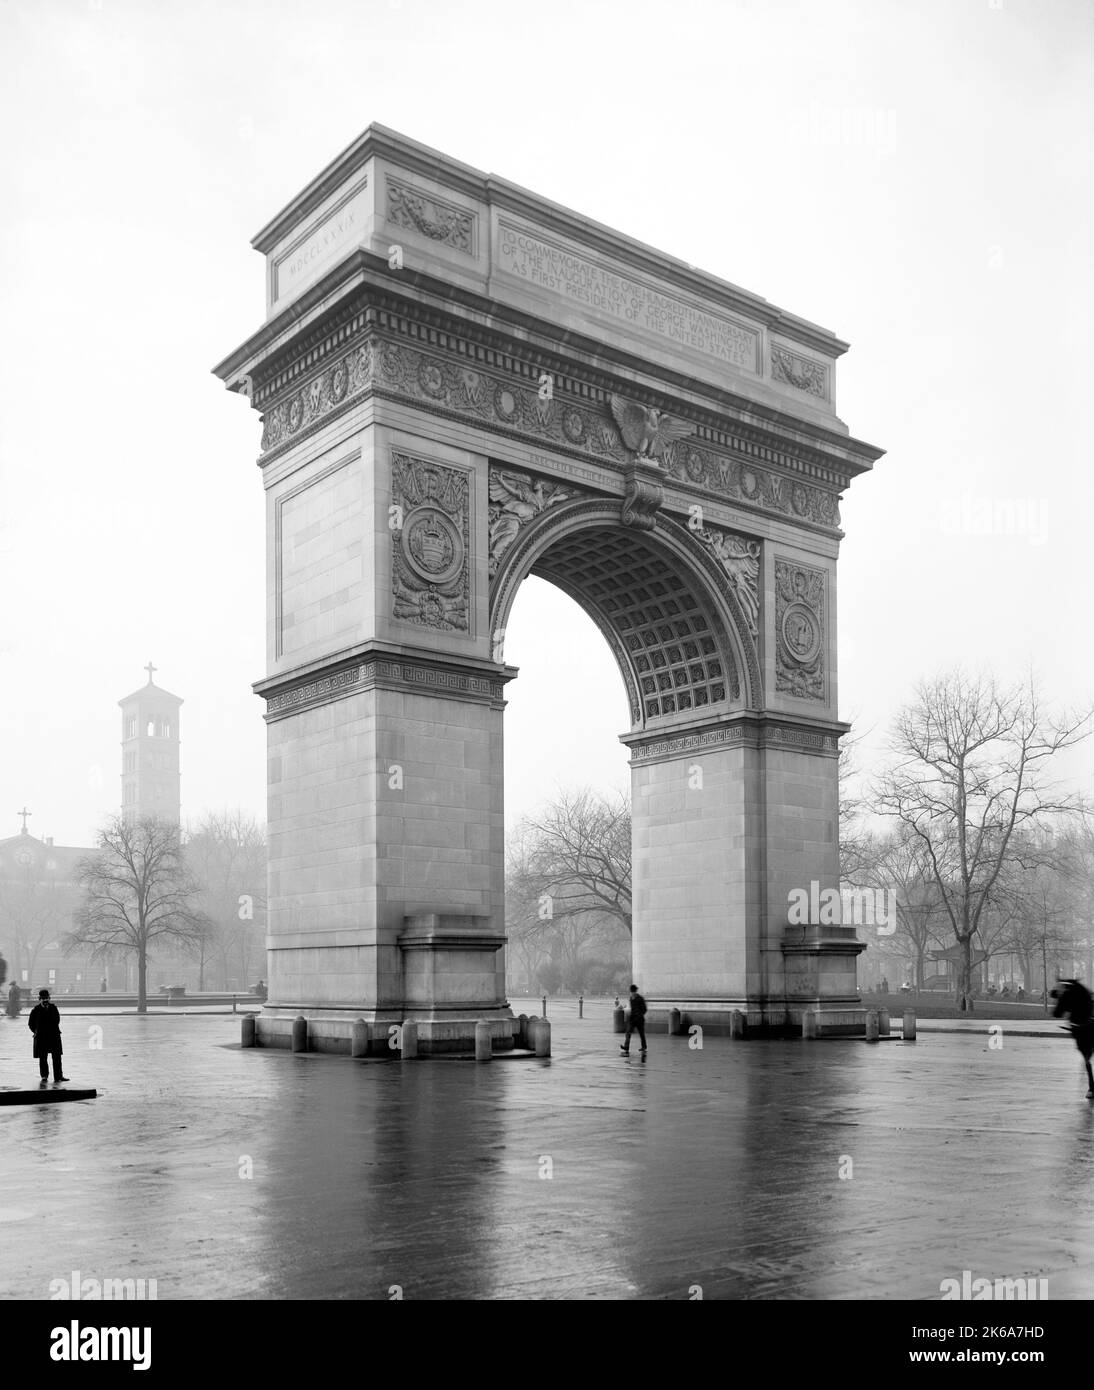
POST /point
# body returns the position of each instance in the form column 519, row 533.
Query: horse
column 1075, row 1003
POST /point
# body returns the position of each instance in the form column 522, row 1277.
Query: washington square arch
column 462, row 384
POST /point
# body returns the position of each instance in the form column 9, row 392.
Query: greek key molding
column 800, row 634
column 753, row 735
column 371, row 671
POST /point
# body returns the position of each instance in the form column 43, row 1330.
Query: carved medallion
column 799, row 630
column 505, row 403
column 430, row 569
column 801, row 634
column 573, row 426
column 432, row 545
column 431, row 378
column 339, row 380
column 296, row 413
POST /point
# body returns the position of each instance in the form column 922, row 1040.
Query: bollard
column 618, row 1020
column 736, row 1024
column 871, row 1025
column 809, row 1024
column 410, row 1042
column 233, row 1003
column 543, row 1039
column 544, row 1006
column 484, row 1045
column 530, row 1026
column 247, row 1038
column 674, row 1023
column 522, row 1031
column 300, row 1034
column 358, row 1046
column 909, row 1020
column 581, row 1006
column 883, row 1022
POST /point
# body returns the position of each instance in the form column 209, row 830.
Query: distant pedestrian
column 45, row 1024
column 884, row 985
column 15, row 1001
column 102, row 985
column 636, row 1018
column 3, row 970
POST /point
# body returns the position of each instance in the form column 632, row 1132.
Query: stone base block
column 836, row 1018
column 438, row 1031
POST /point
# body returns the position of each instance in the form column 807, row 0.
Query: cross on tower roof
column 24, row 813
column 150, row 668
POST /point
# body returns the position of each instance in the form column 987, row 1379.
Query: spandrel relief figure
column 514, row 500
column 741, row 561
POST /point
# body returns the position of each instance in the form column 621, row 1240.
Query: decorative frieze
column 754, row 735
column 515, row 500
column 799, row 630
column 497, row 400
column 431, row 547
column 374, row 669
column 803, row 373
column 344, row 379
column 430, row 216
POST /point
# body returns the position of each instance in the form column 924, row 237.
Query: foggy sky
column 915, row 177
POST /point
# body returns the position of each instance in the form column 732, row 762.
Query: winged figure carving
column 646, row 430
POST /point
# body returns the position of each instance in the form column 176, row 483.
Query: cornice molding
column 340, row 677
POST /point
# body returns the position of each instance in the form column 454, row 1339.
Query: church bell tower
column 150, row 753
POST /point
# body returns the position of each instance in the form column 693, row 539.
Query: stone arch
column 663, row 602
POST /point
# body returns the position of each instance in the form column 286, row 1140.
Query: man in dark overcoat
column 45, row 1024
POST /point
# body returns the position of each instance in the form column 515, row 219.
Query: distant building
column 39, row 895
column 151, row 783
column 38, row 898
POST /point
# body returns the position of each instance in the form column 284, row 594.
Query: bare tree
column 971, row 770
column 854, row 839
column 137, row 891
column 897, row 864
column 580, row 855
column 226, row 853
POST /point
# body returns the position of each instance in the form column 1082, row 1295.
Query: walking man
column 45, row 1024
column 635, row 1019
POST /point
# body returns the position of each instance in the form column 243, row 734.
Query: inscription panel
column 553, row 266
column 341, row 229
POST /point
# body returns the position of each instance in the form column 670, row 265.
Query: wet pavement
column 223, row 1173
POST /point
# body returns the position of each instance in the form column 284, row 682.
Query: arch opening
column 676, row 640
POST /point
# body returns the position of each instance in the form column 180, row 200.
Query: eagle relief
column 430, row 572
column 648, row 432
